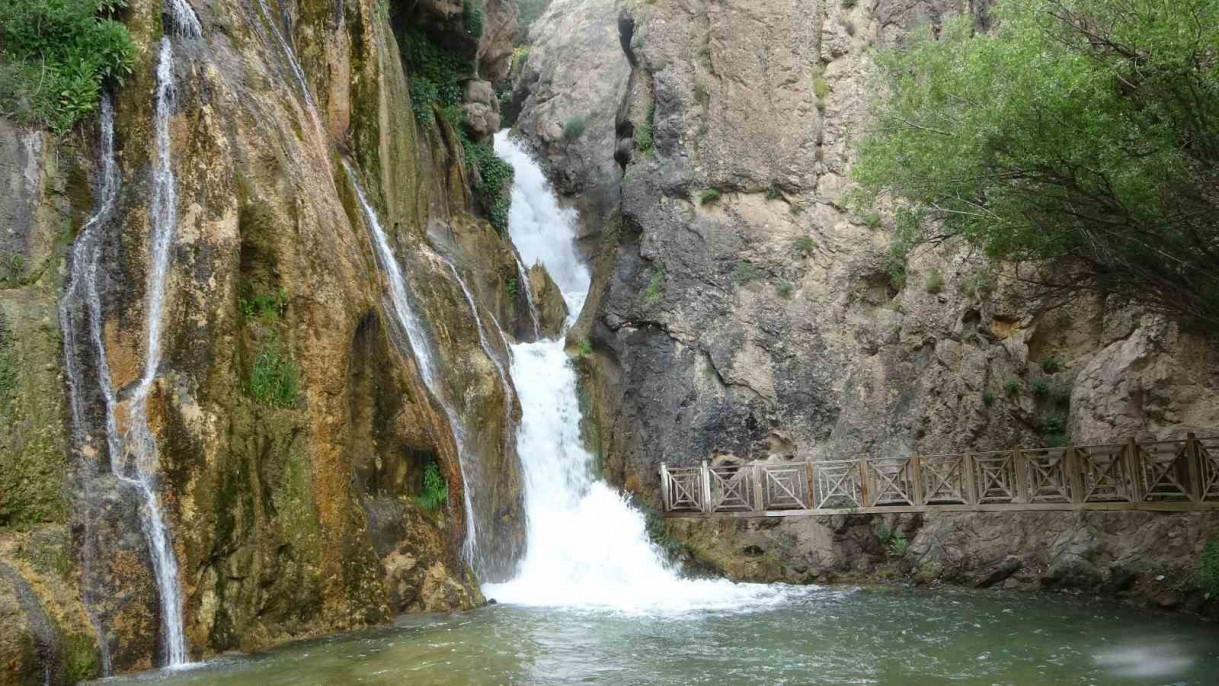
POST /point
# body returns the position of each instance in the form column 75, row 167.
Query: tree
column 1084, row 132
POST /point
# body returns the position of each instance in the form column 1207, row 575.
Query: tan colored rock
column 548, row 299
column 495, row 47
column 481, row 108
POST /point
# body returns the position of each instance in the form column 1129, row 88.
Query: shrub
column 56, row 55
column 744, row 272
column 1208, row 568
column 821, row 87
column 512, row 287
column 935, row 281
column 1051, row 364
column 436, row 72
column 574, row 127
column 871, row 220
column 1040, row 387
column 848, row 4
column 1012, row 385
column 784, row 288
column 1080, row 133
column 584, row 349
column 988, row 397
column 655, row 291
column 435, row 492
column 970, row 337
column 274, row 379
column 774, row 192
column 1053, row 424
column 898, row 545
column 708, row 196
column 977, row 284
column 267, row 306
column 804, row 246
column 492, row 188
column 701, row 96
column 643, row 132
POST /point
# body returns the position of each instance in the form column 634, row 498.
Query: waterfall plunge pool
column 818, row 636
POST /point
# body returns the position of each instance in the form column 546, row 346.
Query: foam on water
column 587, row 547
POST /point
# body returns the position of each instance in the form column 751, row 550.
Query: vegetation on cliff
column 55, row 56
column 1081, row 130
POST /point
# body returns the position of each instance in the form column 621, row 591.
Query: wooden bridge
column 1151, row 475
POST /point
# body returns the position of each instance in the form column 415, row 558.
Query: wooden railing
column 1151, row 475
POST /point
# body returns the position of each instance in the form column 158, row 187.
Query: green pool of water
column 822, row 636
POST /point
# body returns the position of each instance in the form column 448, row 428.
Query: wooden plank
column 1181, row 506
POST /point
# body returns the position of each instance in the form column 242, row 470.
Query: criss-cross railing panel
column 684, row 489
column 731, row 489
column 1046, row 475
column 944, row 479
column 995, row 477
column 1106, row 474
column 891, row 481
column 838, row 484
column 785, row 488
column 1208, row 459
column 1166, row 470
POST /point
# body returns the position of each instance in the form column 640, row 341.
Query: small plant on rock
column 1012, row 385
column 988, row 397
column 804, row 246
column 655, row 291
column 709, row 195
column 1040, row 387
column 435, row 491
column 1051, row 364
column 935, row 282
column 584, row 349
column 512, row 287
column 574, row 127
column 744, row 272
column 784, row 288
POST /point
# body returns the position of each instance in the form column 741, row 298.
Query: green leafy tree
column 1080, row 131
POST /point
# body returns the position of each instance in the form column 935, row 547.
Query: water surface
column 819, row 636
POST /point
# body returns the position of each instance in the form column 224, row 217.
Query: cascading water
column 523, row 277
column 587, row 547
column 417, row 338
column 84, row 275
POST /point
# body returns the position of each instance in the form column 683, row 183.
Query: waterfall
column 139, row 443
column 587, row 547
column 523, row 277
column 183, row 18
column 404, row 314
column 84, row 274
column 294, row 65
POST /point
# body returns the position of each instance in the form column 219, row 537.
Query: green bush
column 56, row 55
column 821, row 87
column 268, row 306
column 784, row 288
column 1081, row 132
column 512, row 287
column 574, row 128
column 708, row 195
column 1051, row 364
column 848, row 4
column 1040, row 387
column 701, row 95
column 804, row 246
column 988, row 397
column 898, row 545
column 436, row 74
column 643, row 132
column 435, row 492
column 274, row 379
column 977, row 284
column 935, row 281
column 871, row 220
column 1012, row 385
column 1208, row 568
column 584, row 349
column 492, row 188
column 655, row 291
column 744, row 272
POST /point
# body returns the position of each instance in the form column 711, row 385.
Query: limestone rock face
column 291, row 510
column 576, row 69
column 481, row 108
column 738, row 307
column 552, row 309
column 495, row 46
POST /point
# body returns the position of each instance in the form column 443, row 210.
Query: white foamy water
column 587, row 547
column 542, row 230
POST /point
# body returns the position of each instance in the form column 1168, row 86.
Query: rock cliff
column 741, row 310
column 291, row 424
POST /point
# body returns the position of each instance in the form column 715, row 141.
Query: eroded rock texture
column 740, row 309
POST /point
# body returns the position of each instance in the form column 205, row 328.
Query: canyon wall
column 742, row 311
column 293, row 508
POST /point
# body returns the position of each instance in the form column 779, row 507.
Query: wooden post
column 1193, row 456
column 916, row 473
column 1134, row 467
column 705, row 471
column 1020, row 489
column 865, row 497
column 666, row 499
column 759, row 473
column 970, row 478
column 1075, row 475
column 811, row 481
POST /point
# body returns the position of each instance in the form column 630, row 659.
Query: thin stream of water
column 420, row 344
